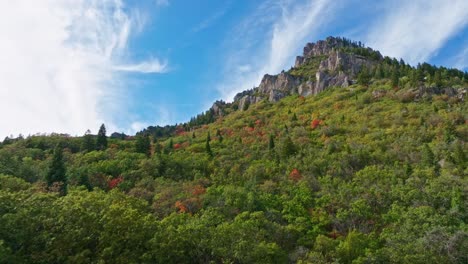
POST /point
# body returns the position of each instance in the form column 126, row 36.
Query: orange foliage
column 198, row 190
column 315, row 123
column 249, row 129
column 295, row 175
column 182, row 208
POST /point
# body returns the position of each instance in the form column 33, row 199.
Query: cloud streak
column 416, row 30
column 286, row 27
column 61, row 64
column 151, row 66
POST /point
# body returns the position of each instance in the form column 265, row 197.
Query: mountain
column 339, row 62
column 347, row 157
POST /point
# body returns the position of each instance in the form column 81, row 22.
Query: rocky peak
column 329, row 62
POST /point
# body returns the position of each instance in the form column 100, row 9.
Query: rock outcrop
column 335, row 68
column 326, row 63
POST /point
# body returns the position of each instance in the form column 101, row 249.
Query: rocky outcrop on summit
column 278, row 86
column 336, row 66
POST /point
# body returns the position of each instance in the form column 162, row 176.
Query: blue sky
column 74, row 64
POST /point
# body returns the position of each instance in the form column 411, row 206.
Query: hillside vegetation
column 375, row 172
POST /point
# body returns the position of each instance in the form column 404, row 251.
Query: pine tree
column 364, row 77
column 427, row 156
column 271, row 143
column 208, row 147
column 88, row 143
column 395, row 78
column 169, row 146
column 101, row 141
column 157, row 148
column 143, row 144
column 437, row 79
column 294, row 117
column 288, row 148
column 57, row 170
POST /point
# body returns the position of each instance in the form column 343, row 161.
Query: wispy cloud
column 461, row 60
column 212, row 19
column 162, row 2
column 415, row 30
column 151, row 66
column 269, row 39
column 59, row 62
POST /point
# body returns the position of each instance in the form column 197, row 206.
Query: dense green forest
column 371, row 173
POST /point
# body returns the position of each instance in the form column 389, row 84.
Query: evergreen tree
column 294, row 117
column 208, row 147
column 88, row 143
column 288, row 148
column 101, row 141
column 271, row 143
column 364, row 77
column 143, row 144
column 157, row 148
column 395, row 78
column 437, row 79
column 57, row 170
column 427, row 156
column 219, row 136
column 193, row 135
column 169, row 146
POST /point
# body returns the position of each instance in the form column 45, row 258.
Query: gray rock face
column 336, row 68
column 278, row 86
column 217, row 108
column 247, row 100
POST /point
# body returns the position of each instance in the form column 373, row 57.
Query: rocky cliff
column 332, row 60
column 339, row 62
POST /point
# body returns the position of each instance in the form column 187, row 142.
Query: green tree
column 57, row 170
column 271, row 143
column 395, row 78
column 88, row 143
column 207, row 146
column 101, row 141
column 219, row 136
column 143, row 144
column 288, row 149
column 364, row 77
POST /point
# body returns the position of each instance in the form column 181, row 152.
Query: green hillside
column 375, row 172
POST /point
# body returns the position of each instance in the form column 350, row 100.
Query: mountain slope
column 371, row 168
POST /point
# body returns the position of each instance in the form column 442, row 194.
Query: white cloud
column 415, row 30
column 58, row 64
column 162, row 2
column 211, row 19
column 288, row 28
column 152, row 66
column 461, row 60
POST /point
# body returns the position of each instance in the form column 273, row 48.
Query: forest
column 372, row 173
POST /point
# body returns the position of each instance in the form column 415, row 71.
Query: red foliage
column 177, row 146
column 182, row 208
column 198, row 190
column 229, row 132
column 258, row 122
column 115, row 182
column 250, row 129
column 315, row 123
column 180, row 131
column 295, row 175
column 334, row 234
